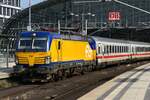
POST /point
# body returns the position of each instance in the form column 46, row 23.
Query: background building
column 7, row 9
column 129, row 17
column 133, row 24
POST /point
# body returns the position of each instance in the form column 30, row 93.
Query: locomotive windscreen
column 33, row 44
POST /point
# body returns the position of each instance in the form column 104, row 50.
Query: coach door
column 99, row 53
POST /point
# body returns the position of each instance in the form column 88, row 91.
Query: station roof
column 25, row 12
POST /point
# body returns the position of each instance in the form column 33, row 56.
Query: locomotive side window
column 58, row 45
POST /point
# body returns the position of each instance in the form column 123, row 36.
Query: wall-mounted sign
column 114, row 16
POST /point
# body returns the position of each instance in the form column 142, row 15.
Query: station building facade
column 8, row 8
column 73, row 15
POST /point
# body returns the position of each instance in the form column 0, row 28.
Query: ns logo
column 88, row 52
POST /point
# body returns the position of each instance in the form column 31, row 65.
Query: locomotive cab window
column 33, row 44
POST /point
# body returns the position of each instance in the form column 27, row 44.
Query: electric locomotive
column 47, row 55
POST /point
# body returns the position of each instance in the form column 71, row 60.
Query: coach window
column 124, row 49
column 117, row 48
column 110, row 49
column 146, row 49
column 141, row 49
column 105, row 49
column 114, row 49
column 138, row 49
column 120, row 49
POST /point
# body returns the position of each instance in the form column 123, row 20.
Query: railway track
column 68, row 89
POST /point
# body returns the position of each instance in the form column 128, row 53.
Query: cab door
column 59, row 51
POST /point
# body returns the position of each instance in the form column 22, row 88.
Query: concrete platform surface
column 4, row 71
column 131, row 85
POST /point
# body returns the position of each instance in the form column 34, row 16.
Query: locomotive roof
column 56, row 35
column 119, row 41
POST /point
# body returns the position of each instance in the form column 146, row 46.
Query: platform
column 4, row 71
column 132, row 85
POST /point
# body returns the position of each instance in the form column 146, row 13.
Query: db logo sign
column 114, row 16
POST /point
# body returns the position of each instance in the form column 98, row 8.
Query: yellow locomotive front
column 32, row 52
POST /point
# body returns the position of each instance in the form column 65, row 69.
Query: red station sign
column 114, row 16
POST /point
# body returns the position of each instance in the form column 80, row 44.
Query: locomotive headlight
column 47, row 60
